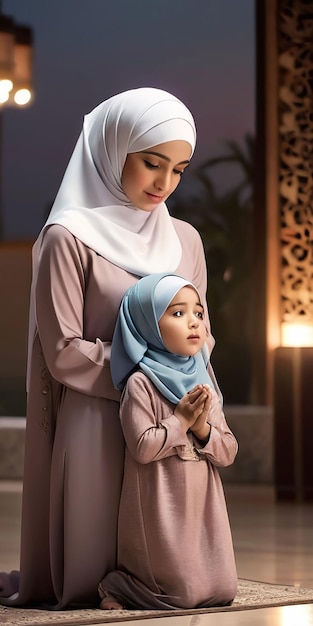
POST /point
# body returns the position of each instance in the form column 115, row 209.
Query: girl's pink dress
column 174, row 543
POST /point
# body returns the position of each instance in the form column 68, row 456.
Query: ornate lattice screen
column 295, row 39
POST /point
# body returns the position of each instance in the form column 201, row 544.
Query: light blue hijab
column 137, row 341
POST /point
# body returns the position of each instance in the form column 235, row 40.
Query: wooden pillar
column 284, row 236
column 266, row 202
column 284, row 217
column 294, row 359
column 284, row 178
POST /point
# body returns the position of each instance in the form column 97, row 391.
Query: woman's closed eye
column 154, row 166
column 151, row 166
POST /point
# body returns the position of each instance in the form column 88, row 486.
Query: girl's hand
column 191, row 406
column 201, row 428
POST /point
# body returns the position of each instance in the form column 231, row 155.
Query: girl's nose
column 194, row 322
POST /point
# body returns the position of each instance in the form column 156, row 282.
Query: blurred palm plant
column 225, row 222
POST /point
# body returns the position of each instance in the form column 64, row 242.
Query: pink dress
column 174, row 543
column 74, row 451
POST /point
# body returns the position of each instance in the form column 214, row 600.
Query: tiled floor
column 273, row 542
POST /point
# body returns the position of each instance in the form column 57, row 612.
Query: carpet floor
column 251, row 595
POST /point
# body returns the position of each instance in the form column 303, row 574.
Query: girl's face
column 149, row 177
column 182, row 326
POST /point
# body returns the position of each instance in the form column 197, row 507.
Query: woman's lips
column 153, row 197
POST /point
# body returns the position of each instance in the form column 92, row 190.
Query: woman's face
column 149, row 177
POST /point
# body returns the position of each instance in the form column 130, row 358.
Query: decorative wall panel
column 295, row 37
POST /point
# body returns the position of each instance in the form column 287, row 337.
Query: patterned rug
column 251, row 595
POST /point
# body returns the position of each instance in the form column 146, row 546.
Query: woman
column 109, row 226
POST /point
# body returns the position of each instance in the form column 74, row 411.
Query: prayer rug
column 251, row 595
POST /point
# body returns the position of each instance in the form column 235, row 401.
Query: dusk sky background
column 203, row 51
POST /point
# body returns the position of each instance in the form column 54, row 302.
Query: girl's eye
column 178, row 313
column 199, row 314
column 150, row 166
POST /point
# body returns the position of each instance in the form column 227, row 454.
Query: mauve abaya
column 74, row 444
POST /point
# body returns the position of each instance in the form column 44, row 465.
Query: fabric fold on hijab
column 137, row 342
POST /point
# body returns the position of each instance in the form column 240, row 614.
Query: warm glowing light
column 291, row 615
column 4, row 96
column 300, row 335
column 22, row 96
column 5, row 85
column 16, row 56
column 22, row 65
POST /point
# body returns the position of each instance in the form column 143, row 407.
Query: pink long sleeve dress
column 174, row 542
column 74, row 452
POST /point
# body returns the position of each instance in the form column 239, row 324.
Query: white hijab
column 91, row 203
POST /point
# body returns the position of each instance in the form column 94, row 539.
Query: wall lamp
column 16, row 55
column 297, row 335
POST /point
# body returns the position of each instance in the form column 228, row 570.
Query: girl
column 174, row 541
